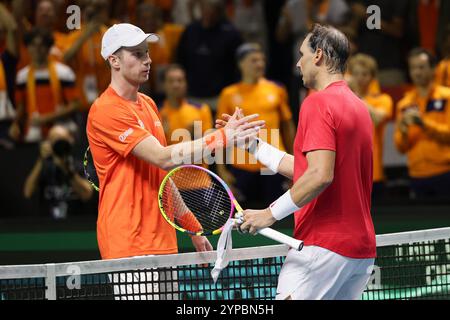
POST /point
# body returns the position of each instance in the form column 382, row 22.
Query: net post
column 50, row 281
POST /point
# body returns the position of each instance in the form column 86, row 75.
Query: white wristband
column 284, row 206
column 268, row 155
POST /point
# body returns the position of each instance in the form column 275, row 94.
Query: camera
column 62, row 148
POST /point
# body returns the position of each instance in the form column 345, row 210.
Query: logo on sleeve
column 141, row 124
column 125, row 135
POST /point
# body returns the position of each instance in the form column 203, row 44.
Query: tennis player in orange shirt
column 130, row 152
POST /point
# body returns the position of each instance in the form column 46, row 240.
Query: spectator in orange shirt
column 423, row 128
column 130, row 154
column 178, row 112
column 46, row 92
column 363, row 70
column 83, row 51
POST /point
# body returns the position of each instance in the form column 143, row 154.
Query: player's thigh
column 317, row 274
column 296, row 273
column 354, row 287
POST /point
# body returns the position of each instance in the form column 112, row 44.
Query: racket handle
column 273, row 234
column 281, row 238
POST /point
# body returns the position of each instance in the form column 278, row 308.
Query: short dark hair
column 44, row 34
column 172, row 67
column 334, row 44
column 419, row 51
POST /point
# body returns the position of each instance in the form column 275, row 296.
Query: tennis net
column 410, row 265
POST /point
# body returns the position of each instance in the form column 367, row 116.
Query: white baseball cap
column 124, row 35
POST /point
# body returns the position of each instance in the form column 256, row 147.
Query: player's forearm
column 166, row 158
column 313, row 182
column 32, row 180
column 286, row 167
column 274, row 159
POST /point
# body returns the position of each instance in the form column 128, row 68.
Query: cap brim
column 147, row 37
column 152, row 37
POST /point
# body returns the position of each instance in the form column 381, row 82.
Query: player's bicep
column 322, row 163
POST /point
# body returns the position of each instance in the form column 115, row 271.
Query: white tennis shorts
column 316, row 273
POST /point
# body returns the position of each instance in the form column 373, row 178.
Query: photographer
column 61, row 188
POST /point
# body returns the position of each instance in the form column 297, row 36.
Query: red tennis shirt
column 339, row 219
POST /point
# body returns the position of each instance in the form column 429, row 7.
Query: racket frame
column 86, row 173
column 266, row 232
column 172, row 223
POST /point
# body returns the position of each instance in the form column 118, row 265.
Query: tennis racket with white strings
column 196, row 201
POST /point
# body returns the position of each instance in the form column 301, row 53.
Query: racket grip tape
column 273, row 234
column 281, row 238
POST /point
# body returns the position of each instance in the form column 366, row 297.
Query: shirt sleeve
column 119, row 129
column 317, row 125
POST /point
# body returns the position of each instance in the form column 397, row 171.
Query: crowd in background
column 215, row 55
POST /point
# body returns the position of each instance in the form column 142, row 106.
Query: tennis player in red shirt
column 332, row 173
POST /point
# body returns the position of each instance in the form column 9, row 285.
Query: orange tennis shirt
column 129, row 222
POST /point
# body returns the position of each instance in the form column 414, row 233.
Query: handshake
column 239, row 129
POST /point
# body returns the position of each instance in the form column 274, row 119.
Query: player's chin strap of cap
column 266, row 154
column 224, row 246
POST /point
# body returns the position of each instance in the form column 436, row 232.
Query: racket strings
column 211, row 215
column 195, row 201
